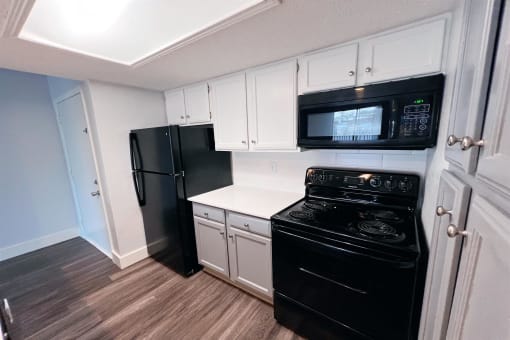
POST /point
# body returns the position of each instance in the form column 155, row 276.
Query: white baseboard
column 128, row 259
column 38, row 243
column 92, row 242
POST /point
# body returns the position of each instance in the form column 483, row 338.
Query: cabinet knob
column 468, row 142
column 351, row 73
column 452, row 140
column 206, row 214
column 95, row 193
column 441, row 211
column 246, row 225
column 231, row 236
column 243, row 141
column 452, row 231
column 368, row 69
column 182, row 117
column 253, row 142
column 187, row 116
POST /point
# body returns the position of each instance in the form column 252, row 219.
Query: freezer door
column 151, row 150
column 205, row 169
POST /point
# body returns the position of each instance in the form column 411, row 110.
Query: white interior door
column 80, row 161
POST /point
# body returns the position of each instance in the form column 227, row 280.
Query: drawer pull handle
column 359, row 291
column 246, row 225
column 206, row 214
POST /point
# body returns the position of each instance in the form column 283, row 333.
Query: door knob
column 95, row 193
column 368, row 69
column 350, row 73
column 453, row 231
column 441, row 211
column 468, row 142
column 452, row 140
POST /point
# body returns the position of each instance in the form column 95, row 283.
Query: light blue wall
column 36, row 202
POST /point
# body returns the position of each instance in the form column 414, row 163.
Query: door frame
column 55, row 101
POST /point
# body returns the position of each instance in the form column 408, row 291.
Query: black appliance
column 396, row 115
column 170, row 164
column 349, row 259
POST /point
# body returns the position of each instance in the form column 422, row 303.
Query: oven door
column 366, row 294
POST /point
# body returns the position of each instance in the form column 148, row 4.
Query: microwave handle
column 392, row 128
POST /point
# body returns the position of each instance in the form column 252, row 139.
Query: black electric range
column 349, row 259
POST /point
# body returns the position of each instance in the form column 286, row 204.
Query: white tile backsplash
column 286, row 170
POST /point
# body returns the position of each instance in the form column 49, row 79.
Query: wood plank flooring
column 71, row 290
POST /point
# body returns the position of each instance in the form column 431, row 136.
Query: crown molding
column 249, row 12
column 17, row 14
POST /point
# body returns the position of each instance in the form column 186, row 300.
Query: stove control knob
column 404, row 185
column 375, row 182
column 390, row 184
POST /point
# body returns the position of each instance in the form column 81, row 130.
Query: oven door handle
column 343, row 285
column 393, row 263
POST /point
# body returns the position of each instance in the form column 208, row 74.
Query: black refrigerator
column 170, row 164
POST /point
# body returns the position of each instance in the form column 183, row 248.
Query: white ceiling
column 293, row 27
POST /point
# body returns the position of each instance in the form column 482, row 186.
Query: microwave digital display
column 396, row 115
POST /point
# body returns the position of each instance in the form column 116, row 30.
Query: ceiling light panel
column 131, row 31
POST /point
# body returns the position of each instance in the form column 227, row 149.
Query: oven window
column 348, row 125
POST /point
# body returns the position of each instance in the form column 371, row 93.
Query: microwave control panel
column 416, row 117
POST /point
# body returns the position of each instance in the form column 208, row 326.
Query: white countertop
column 252, row 201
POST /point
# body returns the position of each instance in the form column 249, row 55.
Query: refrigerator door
column 205, row 169
column 151, row 150
column 162, row 213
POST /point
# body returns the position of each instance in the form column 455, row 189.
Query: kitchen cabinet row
column 236, row 247
column 256, row 109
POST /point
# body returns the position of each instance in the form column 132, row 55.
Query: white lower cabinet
column 250, row 260
column 212, row 245
column 245, row 258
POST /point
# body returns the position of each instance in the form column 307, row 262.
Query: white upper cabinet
column 328, row 69
column 230, row 117
column 272, row 101
column 196, row 98
column 494, row 162
column 408, row 52
column 479, row 35
column 175, row 108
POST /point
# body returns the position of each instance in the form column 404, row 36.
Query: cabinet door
column 230, row 116
column 197, row 104
column 328, row 69
column 212, row 245
column 272, row 99
column 250, row 260
column 453, row 195
column 175, row 108
column 481, row 303
column 494, row 162
column 479, row 35
column 405, row 53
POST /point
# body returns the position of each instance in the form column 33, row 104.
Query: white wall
column 286, row 171
column 113, row 112
column 37, row 207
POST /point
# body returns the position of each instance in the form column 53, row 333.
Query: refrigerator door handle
column 179, row 174
column 135, row 150
column 139, row 189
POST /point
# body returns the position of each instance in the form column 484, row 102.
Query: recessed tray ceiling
column 131, row 32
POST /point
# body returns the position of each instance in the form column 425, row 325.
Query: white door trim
column 71, row 93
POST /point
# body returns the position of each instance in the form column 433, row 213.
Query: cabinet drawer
column 208, row 212
column 249, row 223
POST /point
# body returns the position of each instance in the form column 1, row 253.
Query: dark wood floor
column 71, row 290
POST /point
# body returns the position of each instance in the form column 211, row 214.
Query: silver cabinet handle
column 368, row 69
column 453, row 231
column 350, row 73
column 206, row 214
column 95, row 193
column 468, row 142
column 243, row 141
column 452, row 140
column 222, row 233
column 441, row 211
column 8, row 311
column 182, row 117
column 231, row 237
column 246, row 225
column 187, row 116
column 253, row 142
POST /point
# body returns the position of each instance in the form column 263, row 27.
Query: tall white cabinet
column 478, row 305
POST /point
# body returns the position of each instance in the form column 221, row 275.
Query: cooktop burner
column 302, row 215
column 383, row 215
column 318, row 205
column 380, row 231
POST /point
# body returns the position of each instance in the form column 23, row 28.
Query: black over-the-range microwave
column 395, row 115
